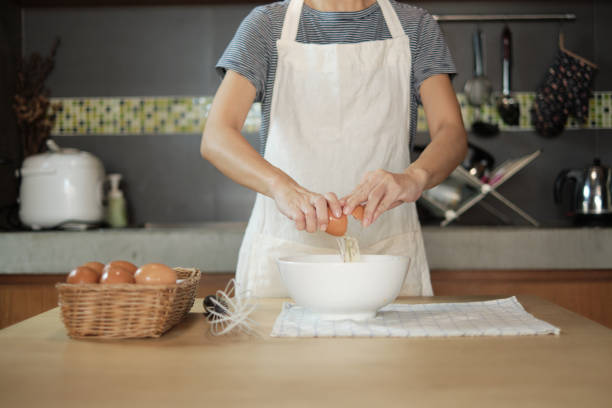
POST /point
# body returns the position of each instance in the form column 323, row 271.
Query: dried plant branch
column 35, row 114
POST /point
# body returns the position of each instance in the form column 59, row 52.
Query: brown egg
column 155, row 274
column 83, row 274
column 336, row 226
column 116, row 274
column 96, row 266
column 358, row 212
column 128, row 266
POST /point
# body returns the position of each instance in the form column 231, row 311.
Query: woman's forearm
column 448, row 145
column 232, row 155
column 225, row 147
column 445, row 152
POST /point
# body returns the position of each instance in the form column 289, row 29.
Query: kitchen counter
column 214, row 247
column 188, row 367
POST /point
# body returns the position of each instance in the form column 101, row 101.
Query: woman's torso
column 265, row 23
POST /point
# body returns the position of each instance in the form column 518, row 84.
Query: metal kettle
column 592, row 190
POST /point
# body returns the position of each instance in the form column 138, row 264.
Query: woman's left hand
column 382, row 190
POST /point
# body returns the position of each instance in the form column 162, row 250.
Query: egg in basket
column 121, row 300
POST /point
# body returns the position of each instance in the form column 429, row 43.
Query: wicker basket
column 126, row 310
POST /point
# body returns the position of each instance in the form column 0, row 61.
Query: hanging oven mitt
column 566, row 90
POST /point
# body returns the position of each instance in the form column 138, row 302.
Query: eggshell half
column 336, row 226
column 358, row 212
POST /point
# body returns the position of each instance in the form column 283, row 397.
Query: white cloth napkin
column 502, row 317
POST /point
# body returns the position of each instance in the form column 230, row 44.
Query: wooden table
column 42, row 367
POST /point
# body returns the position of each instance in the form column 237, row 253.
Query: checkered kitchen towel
column 502, row 317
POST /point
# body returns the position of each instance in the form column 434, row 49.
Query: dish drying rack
column 481, row 189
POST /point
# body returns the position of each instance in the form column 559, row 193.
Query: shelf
column 463, row 18
column 146, row 3
column 130, row 3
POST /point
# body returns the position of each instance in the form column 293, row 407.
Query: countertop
column 41, row 366
column 214, row 247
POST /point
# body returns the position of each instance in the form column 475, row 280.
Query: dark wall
column 134, row 51
column 10, row 49
column 534, row 47
column 172, row 51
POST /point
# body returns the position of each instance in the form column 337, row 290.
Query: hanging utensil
column 507, row 106
column 484, row 129
column 478, row 88
column 478, row 91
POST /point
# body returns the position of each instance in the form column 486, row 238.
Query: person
column 339, row 82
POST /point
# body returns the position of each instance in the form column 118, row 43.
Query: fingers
column 361, row 193
column 311, row 218
column 297, row 204
column 374, row 198
column 392, row 192
column 314, row 213
column 296, row 215
column 381, row 190
column 300, row 221
column 334, row 204
column 322, row 218
column 357, row 197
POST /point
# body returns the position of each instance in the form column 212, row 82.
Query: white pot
column 61, row 187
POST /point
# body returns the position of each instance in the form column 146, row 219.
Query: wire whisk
column 229, row 309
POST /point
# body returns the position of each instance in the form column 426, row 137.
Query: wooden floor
column 588, row 293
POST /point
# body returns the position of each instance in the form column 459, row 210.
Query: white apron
column 338, row 111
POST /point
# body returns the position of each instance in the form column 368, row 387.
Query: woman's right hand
column 307, row 209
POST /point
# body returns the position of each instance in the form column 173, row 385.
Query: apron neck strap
column 292, row 20
column 294, row 10
column 391, row 18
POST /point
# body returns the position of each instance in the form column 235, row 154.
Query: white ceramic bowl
column 339, row 290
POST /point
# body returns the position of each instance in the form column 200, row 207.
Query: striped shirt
column 252, row 52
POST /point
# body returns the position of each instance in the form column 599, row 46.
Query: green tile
column 182, row 114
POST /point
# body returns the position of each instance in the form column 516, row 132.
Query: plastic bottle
column 116, row 214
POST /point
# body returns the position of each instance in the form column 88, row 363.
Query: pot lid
column 63, row 158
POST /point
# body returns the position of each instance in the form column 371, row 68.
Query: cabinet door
column 586, row 292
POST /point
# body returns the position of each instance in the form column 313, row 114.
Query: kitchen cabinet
column 23, row 296
column 189, row 367
column 586, row 292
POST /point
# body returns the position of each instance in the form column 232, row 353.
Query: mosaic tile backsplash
column 175, row 115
